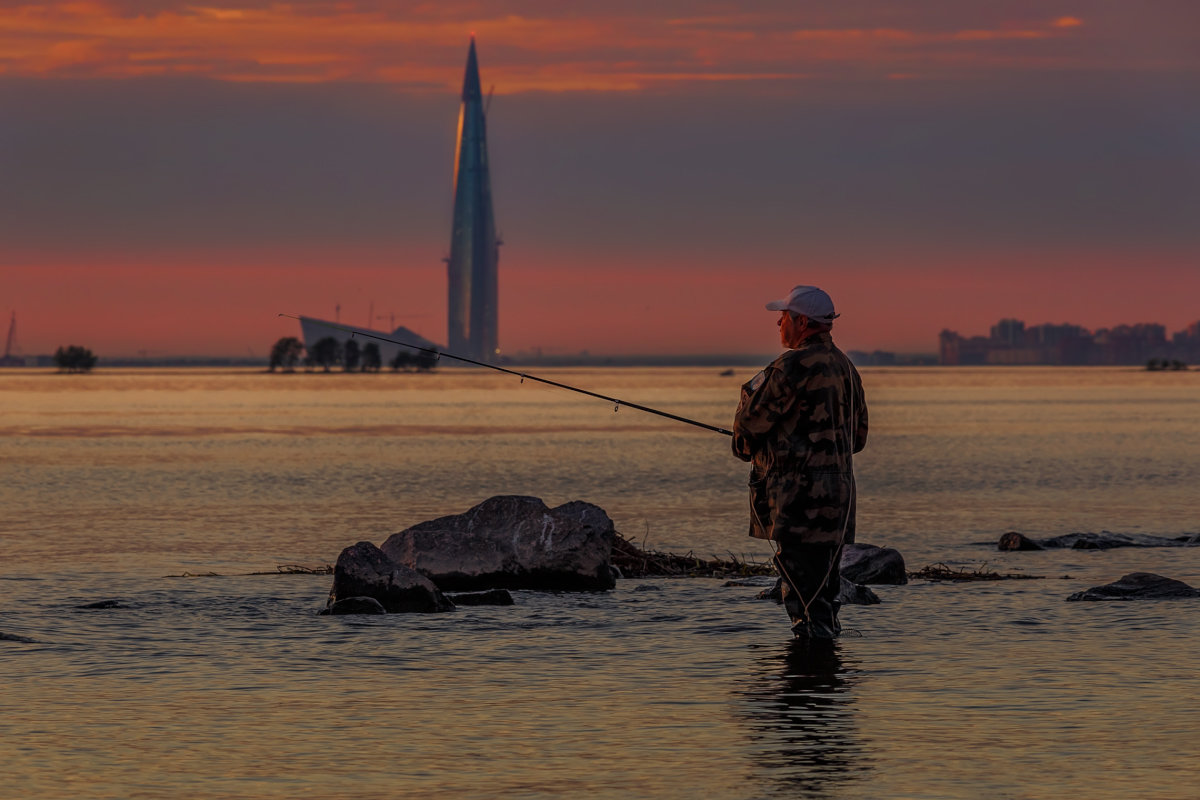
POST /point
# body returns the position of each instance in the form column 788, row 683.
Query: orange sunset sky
column 173, row 175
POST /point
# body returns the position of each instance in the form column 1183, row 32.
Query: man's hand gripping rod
column 617, row 403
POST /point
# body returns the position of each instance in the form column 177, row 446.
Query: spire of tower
column 471, row 87
column 474, row 249
column 10, row 343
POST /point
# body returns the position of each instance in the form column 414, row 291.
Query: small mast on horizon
column 10, row 357
column 474, row 247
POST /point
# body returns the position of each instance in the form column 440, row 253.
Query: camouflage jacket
column 799, row 423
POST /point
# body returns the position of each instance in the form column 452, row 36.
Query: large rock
column 866, row 563
column 363, row 570
column 512, row 542
column 1105, row 540
column 1139, row 586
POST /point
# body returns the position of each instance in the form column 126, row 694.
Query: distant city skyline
column 176, row 175
column 1011, row 342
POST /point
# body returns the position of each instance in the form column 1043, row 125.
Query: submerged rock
column 866, row 563
column 363, row 570
column 12, row 637
column 512, row 542
column 854, row 594
column 102, row 604
column 355, row 605
column 1018, row 541
column 492, row 597
column 774, row 593
column 1104, row 540
column 1139, row 586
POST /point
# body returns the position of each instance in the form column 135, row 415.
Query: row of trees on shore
column 325, row 354
column 74, row 358
column 1160, row 364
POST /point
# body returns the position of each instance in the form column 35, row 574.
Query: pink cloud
column 544, row 49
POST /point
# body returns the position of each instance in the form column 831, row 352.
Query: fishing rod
column 524, row 376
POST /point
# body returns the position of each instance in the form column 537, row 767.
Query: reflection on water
column 232, row 687
column 800, row 713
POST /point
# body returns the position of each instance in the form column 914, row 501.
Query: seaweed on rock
column 634, row 562
column 943, row 572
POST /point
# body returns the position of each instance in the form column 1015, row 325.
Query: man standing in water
column 799, row 423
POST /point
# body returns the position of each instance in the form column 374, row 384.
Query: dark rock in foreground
column 493, row 597
column 1018, row 541
column 1139, row 586
column 774, row 593
column 355, row 605
column 866, row 563
column 854, row 594
column 1105, row 540
column 512, row 542
column 849, row 594
column 102, row 604
column 363, row 570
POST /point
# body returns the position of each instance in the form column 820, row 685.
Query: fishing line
column 524, row 376
column 837, row 553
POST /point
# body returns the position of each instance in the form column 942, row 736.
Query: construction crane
column 10, row 345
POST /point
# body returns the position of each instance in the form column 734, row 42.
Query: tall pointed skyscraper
column 474, row 248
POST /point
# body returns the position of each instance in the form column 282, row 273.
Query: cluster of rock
column 514, row 542
column 1105, row 540
column 1139, row 586
column 861, row 564
column 1135, row 585
column 506, row 542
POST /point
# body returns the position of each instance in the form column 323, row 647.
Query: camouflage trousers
column 811, row 579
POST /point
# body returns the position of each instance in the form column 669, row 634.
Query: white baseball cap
column 809, row 301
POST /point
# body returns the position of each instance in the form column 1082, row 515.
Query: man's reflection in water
column 801, row 719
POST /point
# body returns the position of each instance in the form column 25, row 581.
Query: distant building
column 1010, row 342
column 474, row 247
column 1060, row 344
column 314, row 330
column 1131, row 344
column 954, row 350
column 1008, row 333
column 1186, row 343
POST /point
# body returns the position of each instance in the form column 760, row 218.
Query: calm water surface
column 230, row 686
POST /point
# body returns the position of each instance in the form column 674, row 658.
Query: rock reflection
column 800, row 710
